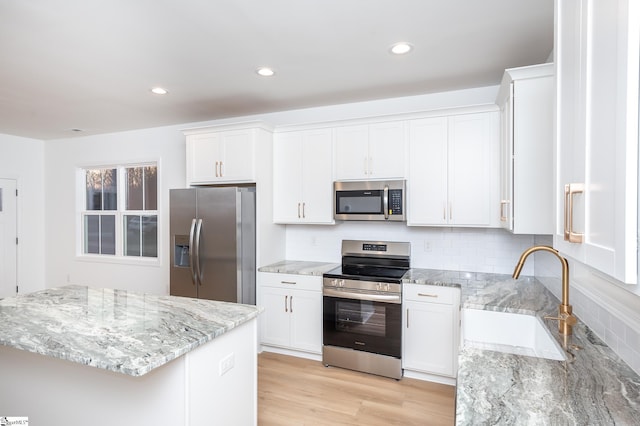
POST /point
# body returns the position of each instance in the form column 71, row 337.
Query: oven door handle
column 343, row 294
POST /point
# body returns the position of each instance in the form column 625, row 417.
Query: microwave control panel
column 395, row 202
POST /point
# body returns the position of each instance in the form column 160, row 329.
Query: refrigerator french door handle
column 192, row 251
column 198, row 273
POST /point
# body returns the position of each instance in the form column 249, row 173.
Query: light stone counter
column 299, row 267
column 78, row 356
column 115, row 330
column 593, row 387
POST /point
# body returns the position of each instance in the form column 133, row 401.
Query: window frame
column 119, row 214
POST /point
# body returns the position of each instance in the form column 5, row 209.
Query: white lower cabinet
column 431, row 330
column 292, row 317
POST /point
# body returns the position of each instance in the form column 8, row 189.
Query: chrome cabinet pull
column 303, row 215
column 291, row 304
column 570, row 190
column 298, row 210
column 285, row 303
column 217, row 175
column 407, row 317
column 288, row 282
column 221, row 169
column 427, row 295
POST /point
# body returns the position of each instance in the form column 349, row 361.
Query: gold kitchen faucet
column 565, row 317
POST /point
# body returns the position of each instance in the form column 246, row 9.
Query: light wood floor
column 296, row 391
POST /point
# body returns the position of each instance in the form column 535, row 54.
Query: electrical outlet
column 227, row 363
column 427, row 246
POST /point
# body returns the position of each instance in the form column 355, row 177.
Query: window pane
column 132, row 236
column 134, row 188
column 110, row 189
column 108, row 234
column 150, row 236
column 94, row 189
column 92, row 234
column 151, row 188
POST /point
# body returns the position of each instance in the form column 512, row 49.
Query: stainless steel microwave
column 370, row 200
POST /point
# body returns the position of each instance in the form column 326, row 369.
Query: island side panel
column 222, row 379
column 192, row 390
column 55, row 392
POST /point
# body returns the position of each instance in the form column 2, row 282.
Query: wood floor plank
column 296, row 391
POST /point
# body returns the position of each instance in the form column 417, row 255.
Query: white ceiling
column 89, row 64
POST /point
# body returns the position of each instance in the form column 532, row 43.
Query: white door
column 8, row 236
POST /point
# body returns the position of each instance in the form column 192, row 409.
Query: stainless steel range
column 362, row 308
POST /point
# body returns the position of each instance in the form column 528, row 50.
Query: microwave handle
column 385, row 202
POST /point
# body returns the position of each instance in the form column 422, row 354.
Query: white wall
column 22, row 159
column 166, row 146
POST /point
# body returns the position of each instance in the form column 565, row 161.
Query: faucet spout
column 566, row 320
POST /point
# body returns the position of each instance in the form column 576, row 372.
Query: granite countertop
column 299, row 267
column 116, row 330
column 594, row 386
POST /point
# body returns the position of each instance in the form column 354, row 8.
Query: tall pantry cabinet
column 597, row 51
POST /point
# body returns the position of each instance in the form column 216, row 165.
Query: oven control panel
column 358, row 285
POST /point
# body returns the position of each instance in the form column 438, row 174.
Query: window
column 120, row 216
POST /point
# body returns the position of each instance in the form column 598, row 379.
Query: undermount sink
column 508, row 332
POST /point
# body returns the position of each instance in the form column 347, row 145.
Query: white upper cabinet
column 526, row 100
column 370, row 151
column 597, row 50
column 222, row 154
column 453, row 174
column 303, row 183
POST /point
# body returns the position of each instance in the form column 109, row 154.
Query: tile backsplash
column 621, row 337
column 458, row 249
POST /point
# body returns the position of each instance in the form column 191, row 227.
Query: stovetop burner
column 372, row 261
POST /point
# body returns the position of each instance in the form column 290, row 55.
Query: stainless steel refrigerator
column 213, row 243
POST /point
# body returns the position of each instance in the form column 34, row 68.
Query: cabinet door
column 274, row 321
column 427, row 183
column 352, row 152
column 387, row 149
column 506, row 162
column 287, row 177
column 472, row 146
column 203, row 156
column 532, row 159
column 571, row 59
column 597, row 137
column 306, row 320
column 429, row 335
column 317, row 177
column 237, row 159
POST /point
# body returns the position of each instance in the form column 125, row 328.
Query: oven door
column 363, row 325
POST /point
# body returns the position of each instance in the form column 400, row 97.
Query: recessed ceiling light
column 265, row 71
column 159, row 91
column 401, row 48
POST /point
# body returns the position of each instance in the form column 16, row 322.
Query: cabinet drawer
column 430, row 293
column 293, row 281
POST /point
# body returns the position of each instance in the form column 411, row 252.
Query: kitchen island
column 593, row 386
column 76, row 355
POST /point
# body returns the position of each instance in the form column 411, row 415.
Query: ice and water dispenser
column 181, row 251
